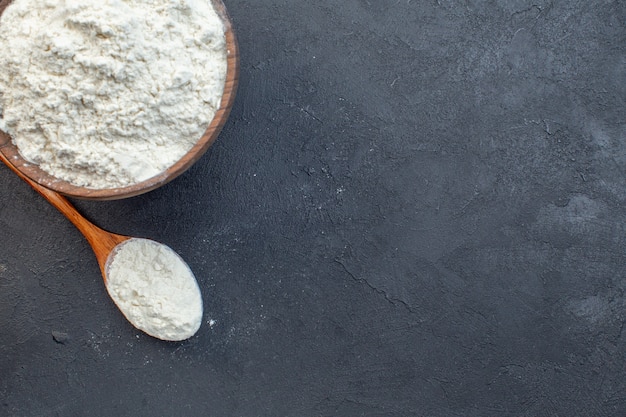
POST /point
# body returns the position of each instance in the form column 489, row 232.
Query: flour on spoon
column 155, row 289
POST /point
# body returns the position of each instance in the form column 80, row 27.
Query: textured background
column 417, row 208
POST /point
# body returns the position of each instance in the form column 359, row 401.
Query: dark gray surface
column 417, row 208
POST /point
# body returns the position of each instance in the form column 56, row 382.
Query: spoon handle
column 101, row 241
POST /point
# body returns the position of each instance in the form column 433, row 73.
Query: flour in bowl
column 109, row 93
column 155, row 289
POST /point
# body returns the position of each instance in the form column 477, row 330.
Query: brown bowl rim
column 41, row 177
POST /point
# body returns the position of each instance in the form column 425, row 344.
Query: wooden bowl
column 33, row 172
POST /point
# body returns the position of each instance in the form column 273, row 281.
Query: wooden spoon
column 164, row 320
column 101, row 241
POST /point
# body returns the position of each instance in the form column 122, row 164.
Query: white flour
column 108, row 93
column 155, row 289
